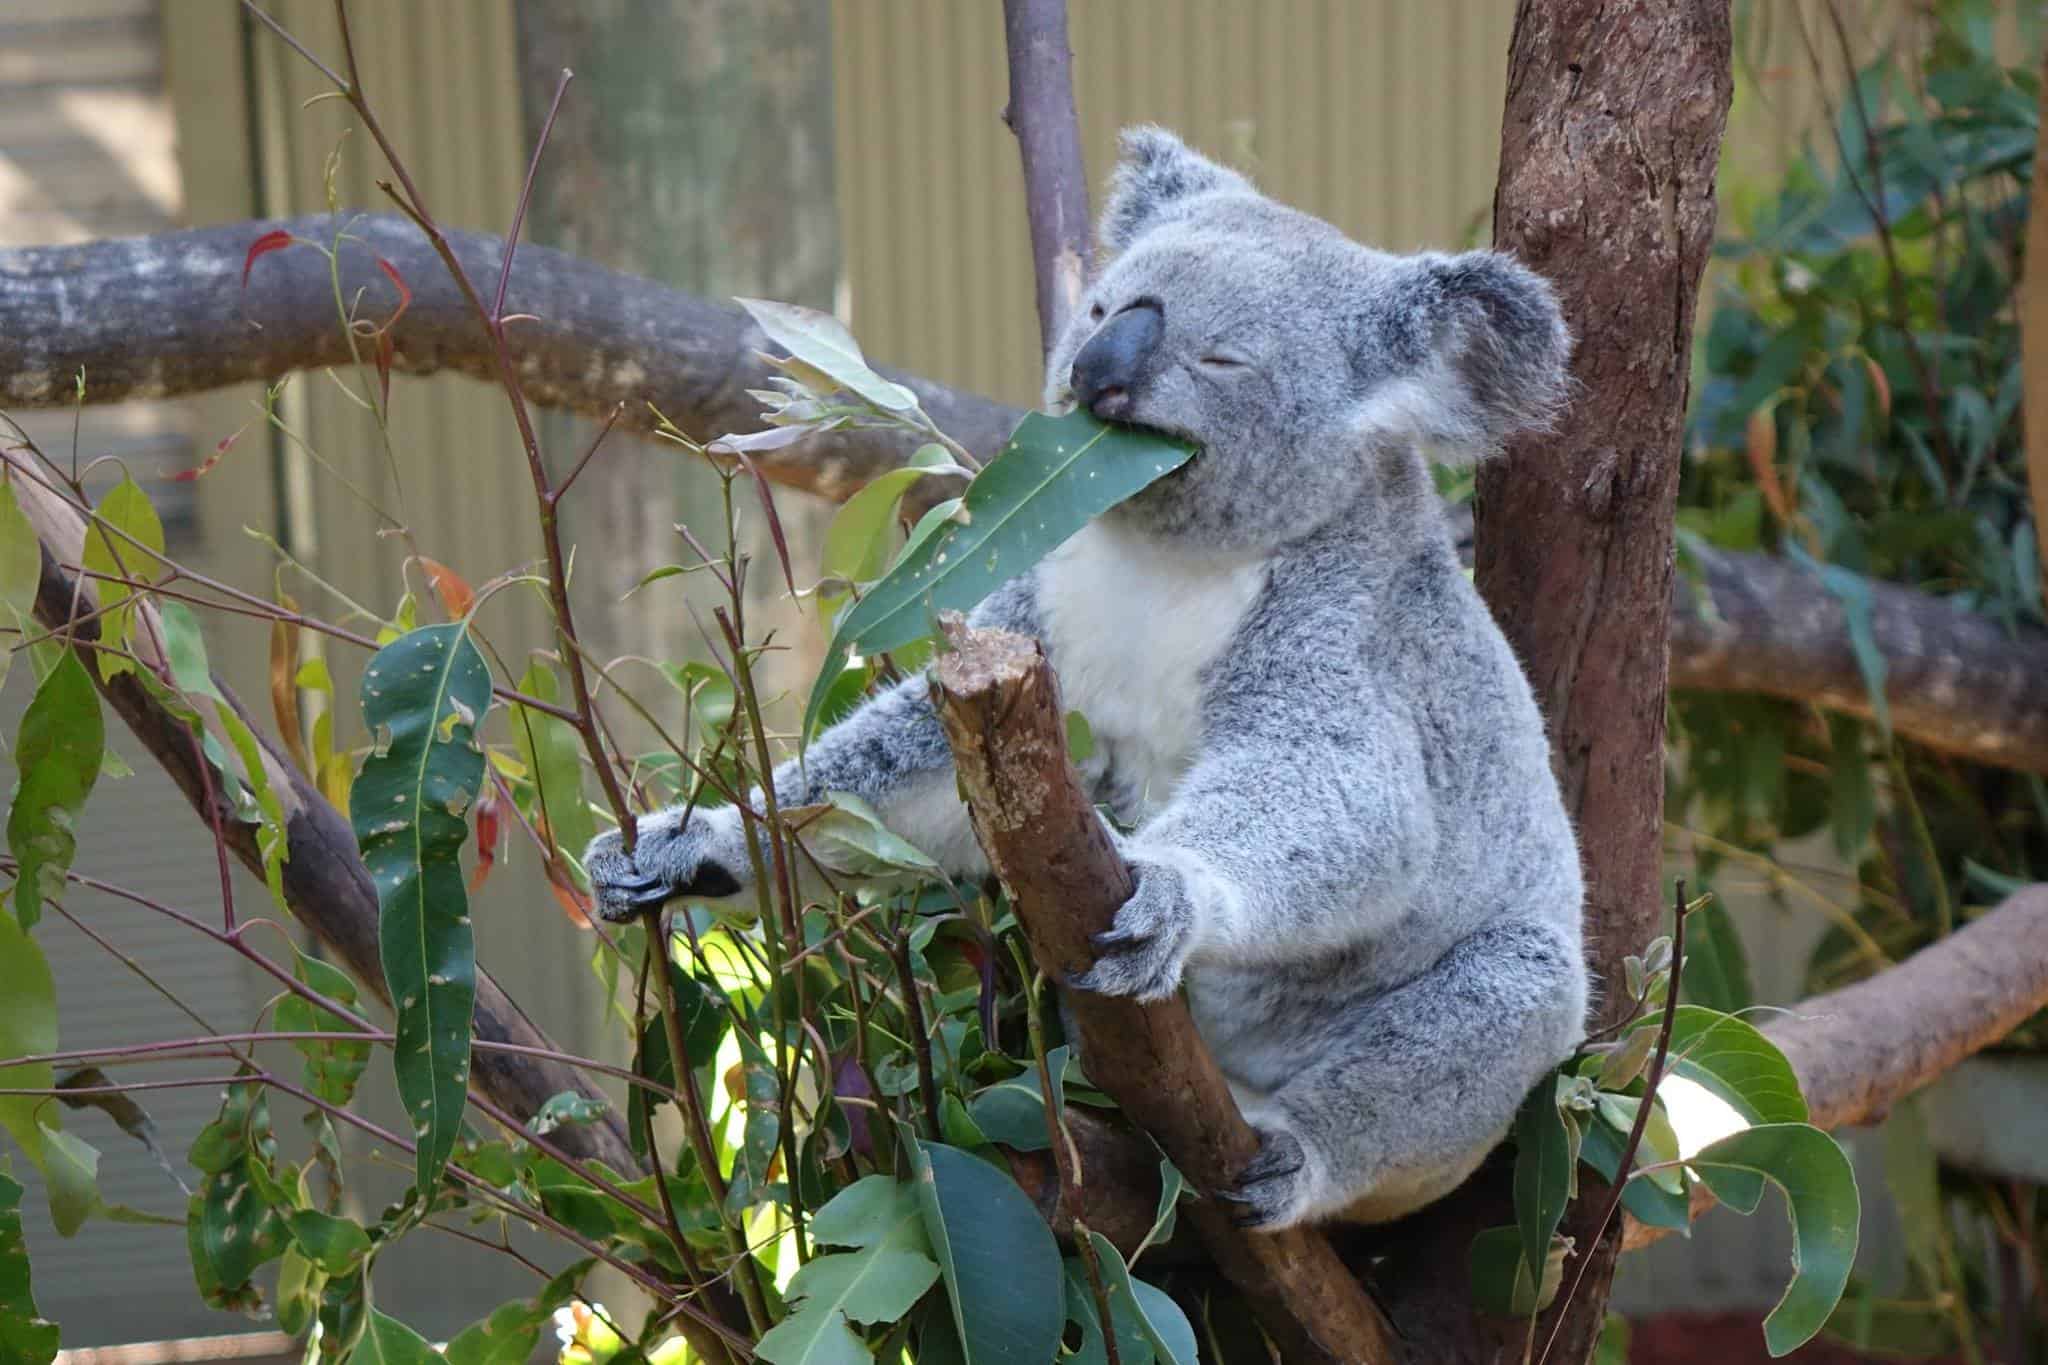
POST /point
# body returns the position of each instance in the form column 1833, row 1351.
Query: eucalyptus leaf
column 25, row 1335
column 124, row 541
column 1053, row 477
column 425, row 695
column 822, row 342
column 996, row 1256
column 332, row 1069
column 1820, row 1186
column 1543, row 1169
column 57, row 750
column 1730, row 1057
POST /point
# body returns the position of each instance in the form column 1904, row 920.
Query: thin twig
column 1651, row 1079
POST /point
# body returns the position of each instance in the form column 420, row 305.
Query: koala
column 1349, row 847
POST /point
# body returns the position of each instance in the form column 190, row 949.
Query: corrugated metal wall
column 1381, row 115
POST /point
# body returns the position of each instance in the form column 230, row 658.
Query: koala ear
column 1156, row 171
column 1472, row 350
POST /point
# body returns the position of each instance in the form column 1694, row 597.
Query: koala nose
column 1108, row 364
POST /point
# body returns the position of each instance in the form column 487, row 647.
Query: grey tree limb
column 164, row 316
column 1041, row 114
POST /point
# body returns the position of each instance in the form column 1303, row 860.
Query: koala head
column 1300, row 362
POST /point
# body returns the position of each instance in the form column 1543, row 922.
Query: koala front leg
column 891, row 753
column 1272, row 850
column 1402, row 1094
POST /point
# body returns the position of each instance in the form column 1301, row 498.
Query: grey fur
column 1350, row 848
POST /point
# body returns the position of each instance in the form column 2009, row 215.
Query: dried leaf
column 489, row 822
column 1762, row 447
column 457, row 597
column 284, row 687
column 270, row 241
column 200, row 471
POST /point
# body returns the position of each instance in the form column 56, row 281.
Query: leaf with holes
column 1820, row 1187
column 231, row 1230
column 57, row 749
column 1054, row 476
column 424, row 696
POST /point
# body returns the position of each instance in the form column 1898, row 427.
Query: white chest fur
column 1130, row 624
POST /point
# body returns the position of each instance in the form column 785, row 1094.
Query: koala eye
column 1095, row 313
column 1225, row 360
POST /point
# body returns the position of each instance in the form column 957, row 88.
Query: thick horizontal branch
column 326, row 886
column 153, row 317
column 166, row 315
column 999, row 703
column 1955, row 680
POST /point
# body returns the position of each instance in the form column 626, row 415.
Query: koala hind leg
column 1411, row 1088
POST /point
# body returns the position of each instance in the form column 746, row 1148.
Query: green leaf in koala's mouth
column 1054, row 476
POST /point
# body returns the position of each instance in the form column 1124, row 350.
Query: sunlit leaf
column 820, row 341
column 21, row 568
column 424, row 695
column 1730, row 1057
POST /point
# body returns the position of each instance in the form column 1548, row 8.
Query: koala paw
column 1144, row 951
column 1272, row 1190
column 668, row 860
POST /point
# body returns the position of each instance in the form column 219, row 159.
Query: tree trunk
column 694, row 147
column 1608, row 149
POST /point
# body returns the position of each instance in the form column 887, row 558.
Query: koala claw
column 665, row 864
column 1272, row 1188
column 1144, row 951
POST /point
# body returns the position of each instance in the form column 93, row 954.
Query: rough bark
column 999, row 703
column 166, row 315
column 1041, row 114
column 325, row 884
column 162, row 315
column 1609, row 145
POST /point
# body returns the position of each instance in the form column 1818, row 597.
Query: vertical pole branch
column 999, row 704
column 1041, row 114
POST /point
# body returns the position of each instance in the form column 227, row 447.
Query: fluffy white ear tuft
column 1480, row 352
column 1155, row 172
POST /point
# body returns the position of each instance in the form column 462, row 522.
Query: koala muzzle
column 1108, row 366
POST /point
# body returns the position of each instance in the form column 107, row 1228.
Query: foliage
column 1591, row 1110
column 1857, row 410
